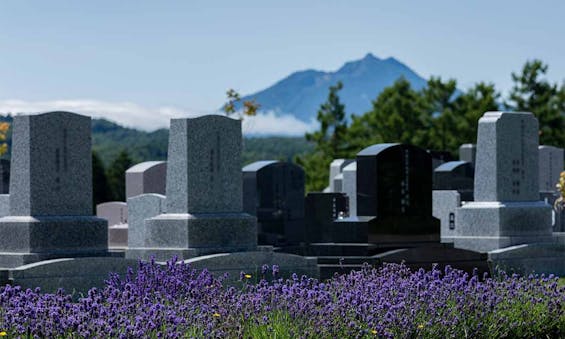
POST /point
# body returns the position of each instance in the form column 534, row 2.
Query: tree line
column 438, row 117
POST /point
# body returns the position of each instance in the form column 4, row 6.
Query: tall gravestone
column 146, row 177
column 51, row 192
column 394, row 183
column 273, row 191
column 507, row 209
column 204, row 193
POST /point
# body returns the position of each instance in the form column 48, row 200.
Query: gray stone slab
column 506, row 167
column 51, row 165
column 336, row 166
column 467, row 152
column 454, row 175
column 338, row 183
column 204, row 164
column 146, row 177
column 444, row 206
column 4, row 176
column 142, row 207
column 350, row 186
column 118, row 237
column 116, row 212
column 535, row 258
column 4, row 205
column 550, row 167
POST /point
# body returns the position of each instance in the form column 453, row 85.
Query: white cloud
column 146, row 118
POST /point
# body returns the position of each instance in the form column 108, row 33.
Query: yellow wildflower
column 216, row 315
column 374, row 331
column 421, row 326
column 3, row 334
column 247, row 276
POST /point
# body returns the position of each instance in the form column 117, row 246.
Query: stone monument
column 507, row 209
column 51, row 192
column 146, row 177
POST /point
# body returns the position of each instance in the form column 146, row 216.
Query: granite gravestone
column 338, row 183
column 454, row 175
column 350, row 186
column 51, row 192
column 439, row 158
column 140, row 208
column 507, row 209
column 321, row 211
column 550, row 167
column 116, row 212
column 467, row 152
column 204, row 193
column 4, row 176
column 394, row 183
column 336, row 166
column 273, row 191
column 146, row 177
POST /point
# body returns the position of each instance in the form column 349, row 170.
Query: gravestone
column 445, row 205
column 336, row 166
column 440, row 157
column 51, row 192
column 394, row 183
column 468, row 152
column 204, row 193
column 454, row 175
column 116, row 212
column 146, row 177
column 550, row 167
column 321, row 211
column 350, row 186
column 338, row 183
column 507, row 209
column 140, row 208
column 273, row 191
column 4, row 176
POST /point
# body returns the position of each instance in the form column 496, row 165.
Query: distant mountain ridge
column 301, row 93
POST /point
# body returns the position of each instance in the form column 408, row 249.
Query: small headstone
column 140, row 208
column 146, row 177
column 445, row 204
column 350, row 186
column 116, row 212
column 273, row 191
column 336, row 167
column 507, row 210
column 440, row 157
column 550, row 167
column 467, row 152
column 51, row 192
column 454, row 175
column 321, row 211
column 4, row 176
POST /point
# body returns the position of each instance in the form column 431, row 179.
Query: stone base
column 191, row 235
column 25, row 239
column 397, row 230
column 488, row 226
column 352, row 229
column 118, row 236
column 525, row 259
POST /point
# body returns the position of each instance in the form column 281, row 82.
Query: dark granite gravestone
column 273, row 191
column 321, row 211
column 394, row 183
column 51, row 192
column 454, row 175
column 440, row 157
column 4, row 176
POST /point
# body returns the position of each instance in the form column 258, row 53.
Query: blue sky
column 143, row 62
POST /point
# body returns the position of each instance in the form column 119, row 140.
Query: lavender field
column 389, row 301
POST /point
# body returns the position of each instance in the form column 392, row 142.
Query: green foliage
column 533, row 93
column 100, row 189
column 116, row 175
column 249, row 107
column 330, row 141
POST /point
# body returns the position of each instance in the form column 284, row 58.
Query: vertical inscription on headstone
column 65, row 153
column 405, row 185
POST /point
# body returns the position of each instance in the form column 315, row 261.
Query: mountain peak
column 370, row 57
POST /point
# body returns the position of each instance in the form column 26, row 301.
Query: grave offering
column 204, row 193
column 350, row 186
column 146, row 177
column 507, row 209
column 116, row 212
column 50, row 201
column 273, row 191
column 467, row 152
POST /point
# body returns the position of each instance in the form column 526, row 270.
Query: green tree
column 116, row 174
column 330, row 141
column 100, row 190
column 533, row 93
